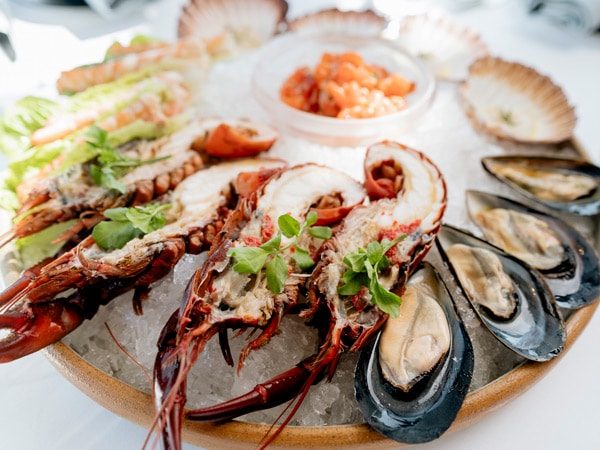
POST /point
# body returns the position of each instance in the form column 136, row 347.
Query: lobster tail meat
column 223, row 295
column 408, row 201
column 199, row 206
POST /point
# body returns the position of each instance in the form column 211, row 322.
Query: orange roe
column 344, row 86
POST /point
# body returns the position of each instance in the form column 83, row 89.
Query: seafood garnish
column 431, row 357
column 230, row 26
column 334, row 21
column 534, row 329
column 447, row 47
column 569, row 185
column 412, row 207
column 565, row 258
column 52, row 299
column 219, row 296
column 513, row 101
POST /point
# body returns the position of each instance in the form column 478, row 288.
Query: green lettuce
column 33, row 249
column 20, row 120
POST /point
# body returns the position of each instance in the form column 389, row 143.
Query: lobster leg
column 274, row 392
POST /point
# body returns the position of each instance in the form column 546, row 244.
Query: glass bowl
column 288, row 52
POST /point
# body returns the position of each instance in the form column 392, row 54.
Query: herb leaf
column 276, row 271
column 320, row 232
column 269, row 255
column 364, row 267
column 302, row 258
column 289, row 226
column 125, row 224
column 111, row 163
column 273, row 244
column 248, row 259
column 111, row 235
column 147, row 219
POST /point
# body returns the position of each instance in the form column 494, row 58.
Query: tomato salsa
column 345, row 86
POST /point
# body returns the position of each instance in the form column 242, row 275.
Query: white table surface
column 39, row 409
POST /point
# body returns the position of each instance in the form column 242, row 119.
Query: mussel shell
column 576, row 282
column 536, row 330
column 586, row 206
column 429, row 408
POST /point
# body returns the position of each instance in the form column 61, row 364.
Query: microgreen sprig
column 268, row 255
column 111, row 163
column 364, row 267
column 125, row 224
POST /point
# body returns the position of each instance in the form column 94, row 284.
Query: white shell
column 232, row 25
column 447, row 47
column 513, row 101
column 364, row 23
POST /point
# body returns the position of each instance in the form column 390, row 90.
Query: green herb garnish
column 111, row 163
column 125, row 224
column 268, row 255
column 507, row 117
column 365, row 265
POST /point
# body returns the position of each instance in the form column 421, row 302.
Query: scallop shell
column 364, row 23
column 447, row 47
column 513, row 101
column 232, row 25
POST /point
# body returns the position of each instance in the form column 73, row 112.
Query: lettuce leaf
column 20, row 120
column 33, row 249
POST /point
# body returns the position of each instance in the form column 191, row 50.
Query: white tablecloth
column 39, row 409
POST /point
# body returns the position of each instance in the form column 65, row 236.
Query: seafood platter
column 306, row 262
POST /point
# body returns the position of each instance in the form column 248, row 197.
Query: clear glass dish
column 286, row 53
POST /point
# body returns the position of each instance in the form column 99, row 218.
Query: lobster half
column 407, row 201
column 50, row 300
column 164, row 163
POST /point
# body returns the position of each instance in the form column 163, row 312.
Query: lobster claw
column 37, row 325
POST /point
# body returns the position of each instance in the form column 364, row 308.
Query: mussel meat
column 481, row 274
column 565, row 258
column 568, row 185
column 412, row 379
column 533, row 327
